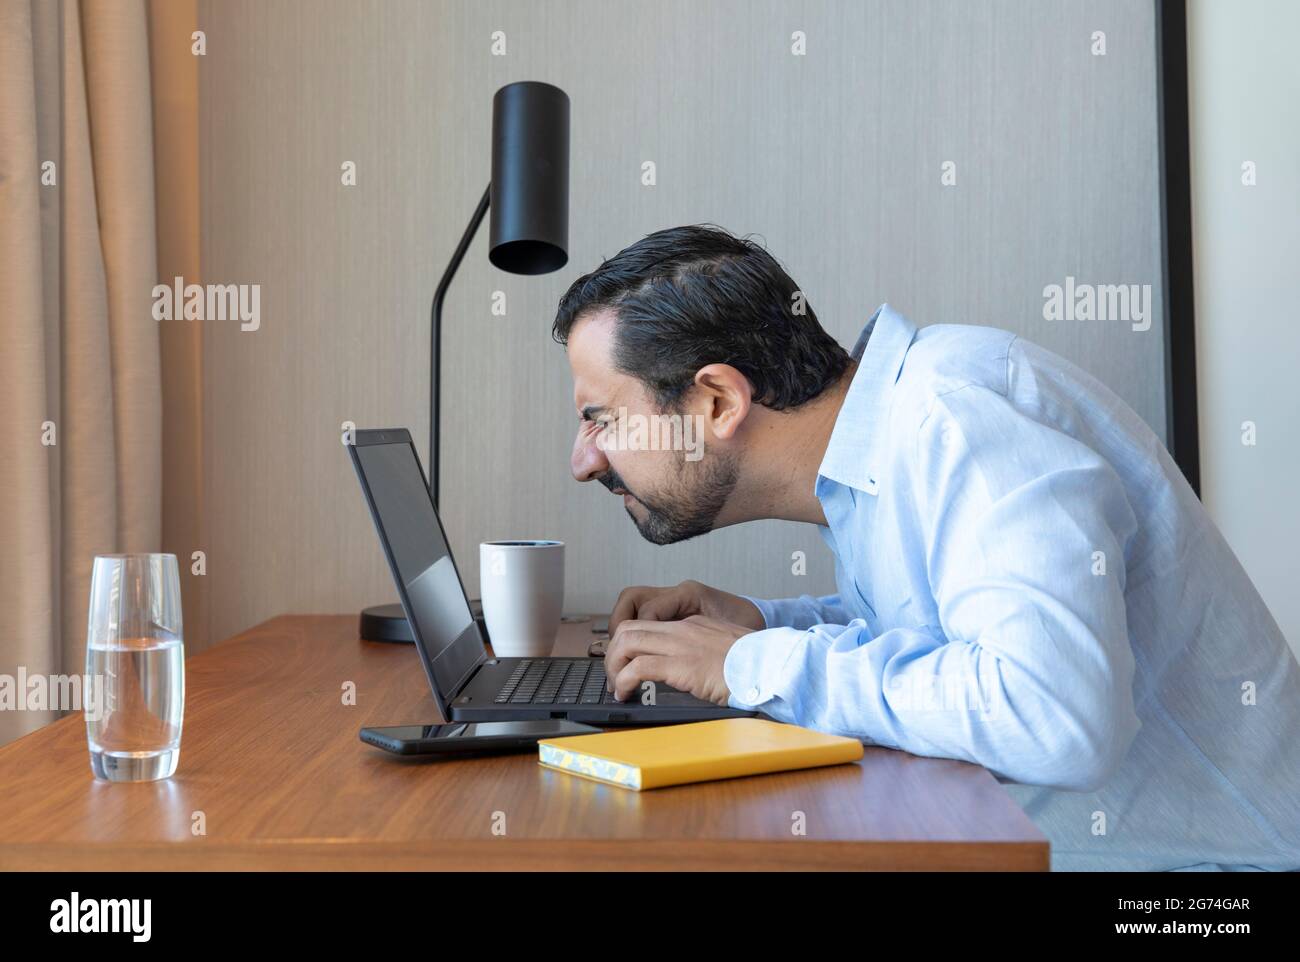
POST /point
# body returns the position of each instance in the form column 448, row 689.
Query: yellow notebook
column 698, row 752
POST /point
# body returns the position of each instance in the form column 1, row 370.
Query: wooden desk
column 270, row 757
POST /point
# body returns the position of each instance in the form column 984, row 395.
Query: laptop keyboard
column 557, row 681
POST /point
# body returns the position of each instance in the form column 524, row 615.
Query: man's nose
column 588, row 461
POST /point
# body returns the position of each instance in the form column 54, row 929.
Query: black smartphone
column 506, row 736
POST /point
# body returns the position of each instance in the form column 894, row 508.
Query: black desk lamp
column 529, row 234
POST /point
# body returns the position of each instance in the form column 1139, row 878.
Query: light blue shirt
column 1027, row 582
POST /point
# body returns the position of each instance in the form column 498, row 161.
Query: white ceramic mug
column 521, row 585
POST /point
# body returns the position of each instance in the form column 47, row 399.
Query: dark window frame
column 1182, row 428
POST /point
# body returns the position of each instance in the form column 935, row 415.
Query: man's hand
column 682, row 601
column 688, row 655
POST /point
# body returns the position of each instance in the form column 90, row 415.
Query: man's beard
column 703, row 489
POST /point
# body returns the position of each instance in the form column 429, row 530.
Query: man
column 1026, row 581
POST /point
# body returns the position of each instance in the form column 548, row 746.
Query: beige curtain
column 79, row 361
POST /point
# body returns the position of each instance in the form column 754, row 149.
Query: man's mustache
column 614, row 483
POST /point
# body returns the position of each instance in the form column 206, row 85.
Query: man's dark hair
column 690, row 296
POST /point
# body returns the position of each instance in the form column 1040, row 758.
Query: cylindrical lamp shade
column 530, row 178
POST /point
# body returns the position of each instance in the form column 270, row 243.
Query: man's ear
column 723, row 396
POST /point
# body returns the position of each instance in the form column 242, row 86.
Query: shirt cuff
column 770, row 610
column 757, row 668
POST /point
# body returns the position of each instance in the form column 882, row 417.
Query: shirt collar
column 853, row 454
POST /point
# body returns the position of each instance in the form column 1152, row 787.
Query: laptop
column 468, row 684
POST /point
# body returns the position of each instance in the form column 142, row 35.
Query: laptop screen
column 444, row 626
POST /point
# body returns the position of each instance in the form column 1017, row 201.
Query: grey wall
column 834, row 158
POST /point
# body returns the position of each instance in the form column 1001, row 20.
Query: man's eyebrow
column 591, row 410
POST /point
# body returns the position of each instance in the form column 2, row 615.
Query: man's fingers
column 669, row 604
column 629, row 601
column 640, row 669
column 633, row 638
column 656, row 604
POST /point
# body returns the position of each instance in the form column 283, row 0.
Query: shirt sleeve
column 1030, row 671
column 802, row 612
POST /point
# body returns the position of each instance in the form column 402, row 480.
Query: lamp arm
column 435, row 339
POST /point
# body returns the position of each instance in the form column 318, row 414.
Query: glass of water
column 135, row 667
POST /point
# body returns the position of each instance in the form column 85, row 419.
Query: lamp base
column 386, row 623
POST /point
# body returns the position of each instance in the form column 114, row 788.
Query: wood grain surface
column 271, row 758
